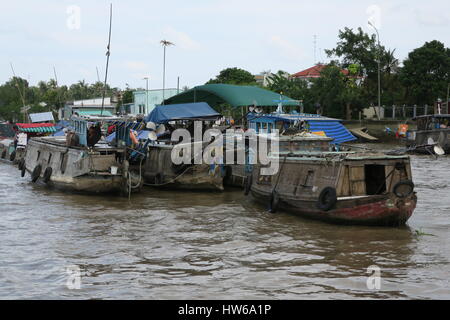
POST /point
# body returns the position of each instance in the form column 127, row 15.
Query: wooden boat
column 336, row 186
column 431, row 130
column 362, row 134
column 64, row 164
column 159, row 171
column 236, row 175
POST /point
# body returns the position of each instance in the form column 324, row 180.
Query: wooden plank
column 356, row 173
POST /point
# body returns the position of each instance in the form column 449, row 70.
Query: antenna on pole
column 57, row 91
column 107, row 58
column 98, row 76
column 20, row 94
column 56, row 78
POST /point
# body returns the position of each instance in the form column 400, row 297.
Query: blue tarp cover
column 333, row 129
column 171, row 112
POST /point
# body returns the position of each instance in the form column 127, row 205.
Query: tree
column 426, row 73
column 361, row 49
column 294, row 88
column 234, row 76
column 357, row 48
column 338, row 94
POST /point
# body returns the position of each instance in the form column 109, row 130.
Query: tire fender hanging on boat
column 248, row 184
column 327, row 199
column 274, row 201
column 47, row 174
column 407, row 183
column 12, row 156
column 36, row 173
column 21, row 164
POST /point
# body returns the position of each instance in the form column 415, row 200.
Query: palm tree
column 165, row 43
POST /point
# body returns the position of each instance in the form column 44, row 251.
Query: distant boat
column 363, row 134
column 432, row 134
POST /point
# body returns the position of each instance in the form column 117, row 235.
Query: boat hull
column 73, row 169
column 87, row 183
column 374, row 211
column 160, row 172
column 423, row 138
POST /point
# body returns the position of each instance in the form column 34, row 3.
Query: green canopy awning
column 236, row 96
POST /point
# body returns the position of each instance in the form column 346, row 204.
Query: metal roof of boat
column 432, row 116
column 41, row 117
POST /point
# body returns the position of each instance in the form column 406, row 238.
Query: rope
column 170, row 181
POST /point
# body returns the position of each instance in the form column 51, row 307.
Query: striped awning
column 36, row 127
column 333, row 129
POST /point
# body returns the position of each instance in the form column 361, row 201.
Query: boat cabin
column 267, row 123
column 432, row 122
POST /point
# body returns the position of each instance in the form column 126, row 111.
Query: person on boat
column 111, row 129
column 94, row 135
column 72, row 139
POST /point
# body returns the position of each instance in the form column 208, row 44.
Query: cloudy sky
column 209, row 35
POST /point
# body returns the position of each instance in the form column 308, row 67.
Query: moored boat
column 159, row 169
column 336, row 186
column 431, row 136
column 78, row 162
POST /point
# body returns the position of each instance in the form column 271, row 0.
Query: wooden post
column 426, row 109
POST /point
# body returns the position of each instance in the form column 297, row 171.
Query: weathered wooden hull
column 372, row 211
column 365, row 189
column 160, row 172
column 235, row 175
column 73, row 169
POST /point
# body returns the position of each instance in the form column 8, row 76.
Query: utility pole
column 165, row 43
column 146, row 95
column 379, row 78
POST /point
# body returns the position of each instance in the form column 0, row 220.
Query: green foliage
column 234, row 76
column 357, row 48
column 426, row 73
column 338, row 94
column 294, row 88
column 46, row 96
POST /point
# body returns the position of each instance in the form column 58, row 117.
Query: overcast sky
column 209, row 35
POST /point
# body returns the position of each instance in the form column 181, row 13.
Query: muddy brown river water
column 185, row 245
